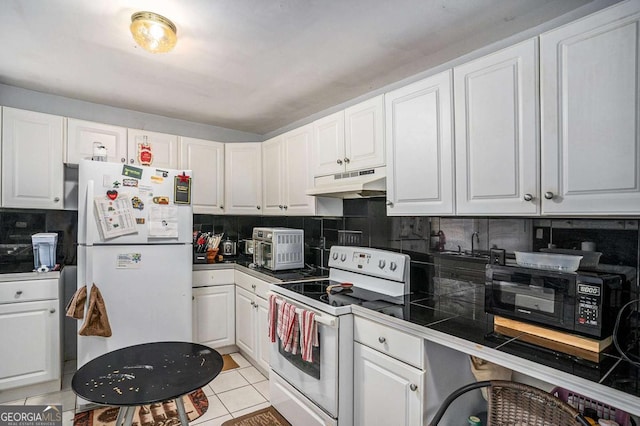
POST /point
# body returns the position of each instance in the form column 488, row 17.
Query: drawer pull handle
column 53, row 311
column 413, row 387
column 381, row 339
column 18, row 293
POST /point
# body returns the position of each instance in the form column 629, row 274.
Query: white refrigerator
column 135, row 238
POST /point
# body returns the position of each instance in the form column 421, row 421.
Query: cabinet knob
column 193, row 298
column 253, row 303
column 548, row 195
column 131, row 161
column 382, row 339
column 258, row 207
column 339, row 161
column 389, row 203
column 528, row 197
column 222, row 207
column 52, row 311
column 413, row 387
column 123, row 160
column 346, row 160
column 286, row 207
column 18, row 293
column 57, row 199
column 253, row 286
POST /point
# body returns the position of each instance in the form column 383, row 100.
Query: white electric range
column 321, row 392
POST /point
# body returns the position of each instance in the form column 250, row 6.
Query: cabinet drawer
column 24, row 291
column 395, row 343
column 252, row 284
column 212, row 277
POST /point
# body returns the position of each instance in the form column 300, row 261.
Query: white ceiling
column 251, row 65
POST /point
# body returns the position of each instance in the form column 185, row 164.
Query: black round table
column 147, row 374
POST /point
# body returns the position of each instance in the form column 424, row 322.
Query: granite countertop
column 457, row 319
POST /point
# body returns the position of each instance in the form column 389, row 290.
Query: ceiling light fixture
column 153, row 32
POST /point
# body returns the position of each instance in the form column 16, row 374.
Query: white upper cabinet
column 590, row 98
column 328, row 144
column 82, row 136
column 420, row 148
column 32, row 159
column 164, row 148
column 273, row 159
column 286, row 173
column 243, row 178
column 364, row 134
column 352, row 139
column 206, row 160
column 496, row 133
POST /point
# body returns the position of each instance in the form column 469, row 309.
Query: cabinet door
column 399, row 404
column 32, row 333
column 590, row 97
column 297, row 178
column 164, row 147
column 83, row 135
column 32, row 163
column 328, row 145
column 364, row 134
column 206, row 160
column 420, row 148
column 262, row 339
column 273, row 165
column 243, row 178
column 245, row 322
column 496, row 135
column 213, row 315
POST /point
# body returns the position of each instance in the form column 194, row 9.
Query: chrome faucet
column 477, row 238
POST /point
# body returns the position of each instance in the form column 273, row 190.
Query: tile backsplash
column 365, row 220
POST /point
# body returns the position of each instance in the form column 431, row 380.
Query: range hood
column 356, row 184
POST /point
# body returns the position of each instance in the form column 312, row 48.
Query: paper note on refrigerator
column 115, row 217
column 163, row 222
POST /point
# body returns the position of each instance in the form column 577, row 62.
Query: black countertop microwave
column 584, row 303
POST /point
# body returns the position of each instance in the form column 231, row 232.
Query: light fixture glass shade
column 153, row 32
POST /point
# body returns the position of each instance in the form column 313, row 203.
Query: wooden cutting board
column 568, row 343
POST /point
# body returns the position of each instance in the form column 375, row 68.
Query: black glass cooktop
column 344, row 296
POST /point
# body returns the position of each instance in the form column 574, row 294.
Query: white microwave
column 278, row 248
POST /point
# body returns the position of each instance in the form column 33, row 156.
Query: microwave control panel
column 589, row 297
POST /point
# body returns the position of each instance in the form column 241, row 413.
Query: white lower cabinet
column 252, row 310
column 386, row 391
column 30, row 331
column 213, row 315
column 387, row 388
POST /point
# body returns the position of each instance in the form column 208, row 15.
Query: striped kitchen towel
column 273, row 312
column 308, row 335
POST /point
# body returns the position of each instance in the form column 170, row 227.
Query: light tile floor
column 232, row 394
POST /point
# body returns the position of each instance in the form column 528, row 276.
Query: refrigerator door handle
column 88, row 234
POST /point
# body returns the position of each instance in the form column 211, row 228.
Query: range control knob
column 335, row 255
column 382, row 263
column 343, row 257
column 393, row 266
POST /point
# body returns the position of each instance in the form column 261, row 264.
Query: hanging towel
column 288, row 327
column 273, row 312
column 75, row 307
column 308, row 335
column 97, row 321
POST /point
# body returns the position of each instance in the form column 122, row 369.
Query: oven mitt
column 97, row 321
column 75, row 307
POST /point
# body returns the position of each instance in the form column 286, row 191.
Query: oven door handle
column 329, row 321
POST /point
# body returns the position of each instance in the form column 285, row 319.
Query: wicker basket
column 580, row 402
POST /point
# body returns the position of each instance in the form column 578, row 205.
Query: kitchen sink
column 479, row 254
